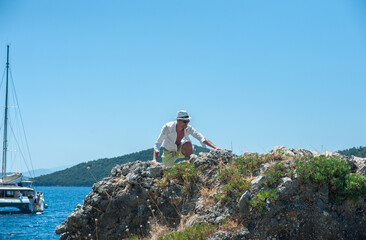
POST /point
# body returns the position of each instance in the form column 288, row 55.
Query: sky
column 98, row 79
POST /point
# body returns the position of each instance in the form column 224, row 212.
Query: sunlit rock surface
column 130, row 202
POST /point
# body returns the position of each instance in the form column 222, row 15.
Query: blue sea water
column 61, row 202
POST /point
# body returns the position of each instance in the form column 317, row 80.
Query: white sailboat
column 15, row 191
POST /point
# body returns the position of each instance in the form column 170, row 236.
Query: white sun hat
column 182, row 114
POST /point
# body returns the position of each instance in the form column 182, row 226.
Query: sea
column 61, row 202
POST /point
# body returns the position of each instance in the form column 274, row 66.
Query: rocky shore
column 285, row 194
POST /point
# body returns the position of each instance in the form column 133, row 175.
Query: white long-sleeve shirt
column 168, row 136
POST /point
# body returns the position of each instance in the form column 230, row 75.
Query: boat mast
column 5, row 142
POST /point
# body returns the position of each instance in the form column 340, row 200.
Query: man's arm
column 209, row 143
column 155, row 157
column 202, row 139
column 158, row 143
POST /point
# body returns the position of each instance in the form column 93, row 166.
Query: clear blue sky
column 98, row 79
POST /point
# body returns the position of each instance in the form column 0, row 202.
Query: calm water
column 61, row 202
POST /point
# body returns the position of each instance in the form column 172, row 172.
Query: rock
column 262, row 169
column 242, row 234
column 132, row 178
column 221, row 236
column 244, row 202
column 154, row 171
column 286, row 188
column 360, row 164
column 304, row 152
column 315, row 154
column 332, row 154
column 193, row 158
column 134, row 201
column 284, row 182
column 219, row 219
column 116, row 171
column 362, row 171
column 198, row 162
column 257, row 183
column 125, row 169
column 280, row 148
column 250, row 154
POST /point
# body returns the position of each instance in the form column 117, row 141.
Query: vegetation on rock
column 260, row 195
column 181, row 172
column 274, row 173
column 259, row 201
column 323, row 170
column 196, row 232
column 233, row 176
column 335, row 173
column 355, row 187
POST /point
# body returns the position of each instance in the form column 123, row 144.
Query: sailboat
column 14, row 190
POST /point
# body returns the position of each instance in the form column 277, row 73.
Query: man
column 174, row 138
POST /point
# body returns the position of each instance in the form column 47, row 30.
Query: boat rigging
column 15, row 191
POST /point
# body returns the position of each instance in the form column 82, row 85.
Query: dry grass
column 158, row 231
column 120, row 180
column 185, row 221
column 232, row 225
column 207, row 195
column 126, row 189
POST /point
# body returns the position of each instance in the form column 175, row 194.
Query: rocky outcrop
column 136, row 200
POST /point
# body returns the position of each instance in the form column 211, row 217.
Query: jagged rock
column 293, row 152
column 283, row 151
column 221, row 236
column 315, row 153
column 244, row 202
column 287, row 187
column 130, row 202
column 250, row 154
column 257, row 183
column 360, row 164
column 132, row 178
column 278, row 148
column 362, row 170
column 304, row 152
column 332, row 154
column 263, row 168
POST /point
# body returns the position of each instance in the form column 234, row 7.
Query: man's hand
column 220, row 149
column 209, row 143
column 153, row 161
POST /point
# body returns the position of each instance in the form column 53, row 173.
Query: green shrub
column 355, row 186
column 182, row 172
column 196, row 232
column 235, row 187
column 335, row 173
column 233, row 177
column 274, row 173
column 249, row 163
column 258, row 202
column 322, row 170
column 132, row 238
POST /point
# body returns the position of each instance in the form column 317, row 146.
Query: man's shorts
column 169, row 157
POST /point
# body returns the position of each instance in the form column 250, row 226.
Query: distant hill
column 43, row 171
column 358, row 152
column 78, row 175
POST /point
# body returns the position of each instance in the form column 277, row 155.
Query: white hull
column 23, row 198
